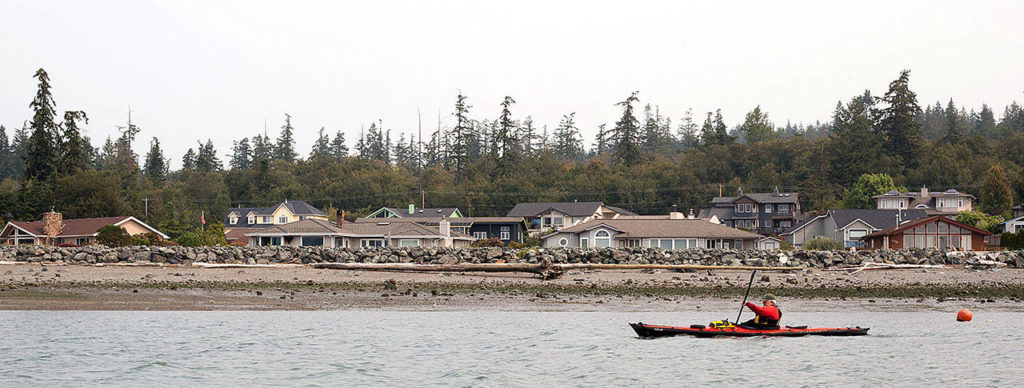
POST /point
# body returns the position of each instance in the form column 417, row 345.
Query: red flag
column 204, row 218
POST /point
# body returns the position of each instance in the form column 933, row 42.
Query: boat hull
column 652, row 331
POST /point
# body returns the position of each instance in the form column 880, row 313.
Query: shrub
column 531, row 241
column 140, row 240
column 823, row 244
column 487, row 242
column 1012, row 241
column 113, row 236
column 68, row 245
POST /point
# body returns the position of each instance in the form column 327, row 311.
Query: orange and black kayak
column 651, row 331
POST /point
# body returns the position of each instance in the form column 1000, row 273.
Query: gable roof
column 877, row 218
column 681, row 228
column 77, row 226
column 298, row 208
column 921, row 221
column 430, row 212
column 572, row 209
column 760, row 198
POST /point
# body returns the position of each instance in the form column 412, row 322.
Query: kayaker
column 768, row 315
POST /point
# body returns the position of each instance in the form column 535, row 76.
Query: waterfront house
column 316, row 232
column 945, row 203
column 544, row 216
column 764, row 213
column 506, row 229
column 938, row 232
column 651, row 233
column 242, row 220
column 848, row 225
column 413, row 212
column 53, row 229
column 1013, row 225
column 1018, row 210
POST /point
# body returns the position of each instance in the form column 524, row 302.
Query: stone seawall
column 307, row 255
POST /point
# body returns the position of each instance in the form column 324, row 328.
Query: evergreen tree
column 322, row 146
column 1012, row 121
column 600, row 141
column 505, row 140
column 338, row 149
column 75, row 150
column 855, row 148
column 284, row 149
column 43, row 153
column 756, row 127
column 656, row 132
column 188, row 161
column 262, row 148
column 688, row 130
column 714, row 130
column 986, row 125
column 155, row 168
column 7, row 156
column 896, row 121
column 206, row 159
column 529, row 136
column 954, row 132
column 568, row 141
column 241, row 155
column 996, row 195
column 627, row 134
column 459, row 137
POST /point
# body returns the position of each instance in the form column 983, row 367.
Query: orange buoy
column 964, row 315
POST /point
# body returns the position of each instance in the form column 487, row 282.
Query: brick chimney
column 924, row 192
column 53, row 222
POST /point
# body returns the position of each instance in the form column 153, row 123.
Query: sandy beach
column 35, row 287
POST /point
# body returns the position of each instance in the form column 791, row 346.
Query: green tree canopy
column 859, row 195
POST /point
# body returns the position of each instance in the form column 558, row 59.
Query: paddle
column 746, row 295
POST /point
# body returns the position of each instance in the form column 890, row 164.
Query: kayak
column 650, row 331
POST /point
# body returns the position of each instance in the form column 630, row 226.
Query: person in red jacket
column 768, row 314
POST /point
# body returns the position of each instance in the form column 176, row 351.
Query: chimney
column 675, row 216
column 412, row 209
column 341, row 219
column 53, row 222
column 445, row 228
column 739, row 191
column 690, row 216
column 776, row 191
column 924, row 192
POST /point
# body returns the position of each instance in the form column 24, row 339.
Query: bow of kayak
column 650, row 331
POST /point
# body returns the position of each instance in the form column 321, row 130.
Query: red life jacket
column 766, row 315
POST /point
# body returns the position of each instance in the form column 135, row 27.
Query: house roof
column 299, row 208
column 877, row 218
column 685, row 228
column 760, row 198
column 457, row 221
column 422, row 212
column 572, row 209
column 77, row 226
column 353, row 229
column 921, row 221
column 916, row 194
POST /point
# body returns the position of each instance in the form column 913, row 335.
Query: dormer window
column 282, row 219
column 252, row 219
column 768, row 208
column 233, row 219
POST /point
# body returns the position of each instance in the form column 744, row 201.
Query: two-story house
column 848, row 226
column 242, row 220
column 945, row 203
column 543, row 216
column 413, row 212
column 764, row 213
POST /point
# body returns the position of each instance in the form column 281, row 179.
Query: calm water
column 332, row 348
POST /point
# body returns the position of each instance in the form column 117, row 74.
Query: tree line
column 484, row 165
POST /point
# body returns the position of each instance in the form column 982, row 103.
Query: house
column 1013, row 225
column 938, row 232
column 542, row 216
column 664, row 233
column 1018, row 210
column 316, row 232
column 764, row 213
column 670, row 216
column 769, row 243
column 506, row 229
column 54, row 230
column 848, row 225
column 412, row 212
column 242, row 220
column 946, row 203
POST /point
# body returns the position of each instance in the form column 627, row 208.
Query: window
column 312, row 241
column 409, row 243
column 602, row 239
column 506, row 235
column 902, row 204
column 960, row 202
column 275, row 241
column 680, row 244
column 562, row 242
column 372, row 243
column 768, row 208
column 252, row 220
column 665, row 244
column 856, row 234
column 302, row 218
column 282, row 219
column 480, row 235
column 931, row 228
column 558, row 222
column 505, row 229
column 584, row 242
column 267, row 219
column 739, row 244
column 547, row 222
column 785, row 224
column 631, row 243
column 709, row 243
column 943, row 228
column 693, row 243
column 233, row 219
column 783, row 208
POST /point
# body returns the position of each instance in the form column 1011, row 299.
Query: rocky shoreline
column 312, row 255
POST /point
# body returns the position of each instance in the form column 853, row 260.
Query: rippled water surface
column 492, row 348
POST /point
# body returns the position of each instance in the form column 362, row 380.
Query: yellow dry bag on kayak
column 723, row 324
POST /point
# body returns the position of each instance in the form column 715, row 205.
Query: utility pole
column 419, row 156
column 146, row 200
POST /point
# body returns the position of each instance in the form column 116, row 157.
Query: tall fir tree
column 627, row 134
column 687, row 132
column 43, row 154
column 996, row 194
column 954, row 130
column 505, row 140
column 338, row 149
column 986, row 125
column 75, row 150
column 529, row 136
column 284, row 149
column 460, row 137
column 756, row 127
column 568, row 141
column 188, row 161
column 206, row 158
column 262, row 148
column 896, row 121
column 322, row 146
column 241, row 155
column 155, row 168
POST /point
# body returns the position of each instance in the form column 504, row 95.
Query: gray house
column 849, row 225
column 764, row 213
column 543, row 216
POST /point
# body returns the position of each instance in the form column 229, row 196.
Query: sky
column 221, row 70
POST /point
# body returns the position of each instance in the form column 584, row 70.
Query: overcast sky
column 193, row 70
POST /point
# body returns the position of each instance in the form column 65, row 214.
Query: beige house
column 652, row 233
column 543, row 216
column 53, row 229
column 242, row 220
column 315, row 232
column 945, row 203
